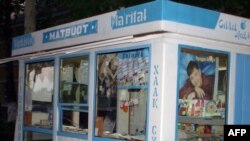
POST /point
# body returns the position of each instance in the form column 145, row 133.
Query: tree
column 87, row 8
column 55, row 12
column 234, row 7
column 30, row 16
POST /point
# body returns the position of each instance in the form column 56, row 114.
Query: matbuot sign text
column 70, row 31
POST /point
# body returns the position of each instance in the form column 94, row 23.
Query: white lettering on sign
column 235, row 132
column 72, row 31
column 128, row 18
column 65, row 33
column 23, row 41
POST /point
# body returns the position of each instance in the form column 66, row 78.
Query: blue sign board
column 22, row 41
column 70, row 31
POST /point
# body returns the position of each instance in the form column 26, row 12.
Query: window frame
column 117, row 50
column 61, row 105
column 204, row 50
column 37, row 129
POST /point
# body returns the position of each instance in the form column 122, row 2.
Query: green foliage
column 48, row 11
column 15, row 6
column 87, row 8
column 71, row 10
column 234, row 7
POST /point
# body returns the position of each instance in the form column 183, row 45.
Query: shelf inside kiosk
column 121, row 98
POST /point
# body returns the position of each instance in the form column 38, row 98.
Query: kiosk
column 159, row 71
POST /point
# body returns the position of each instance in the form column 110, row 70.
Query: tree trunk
column 30, row 16
column 7, row 32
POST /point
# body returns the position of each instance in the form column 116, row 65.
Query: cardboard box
column 99, row 126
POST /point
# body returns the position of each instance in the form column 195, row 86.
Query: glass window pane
column 39, row 94
column 202, row 94
column 75, row 121
column 122, row 82
column 74, row 94
column 74, row 80
column 34, row 136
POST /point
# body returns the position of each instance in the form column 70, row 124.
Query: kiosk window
column 35, row 136
column 202, row 91
column 38, row 106
column 73, row 99
column 121, row 98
